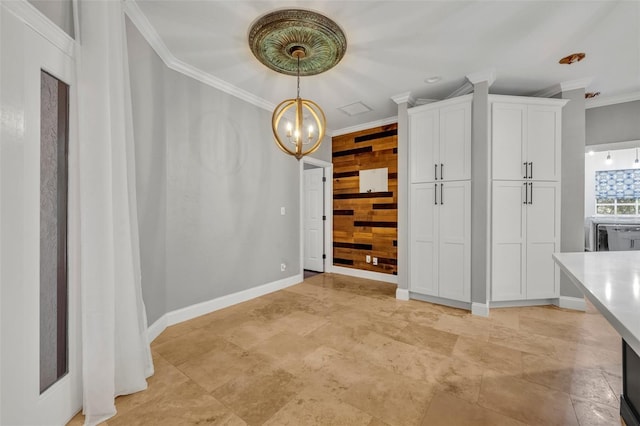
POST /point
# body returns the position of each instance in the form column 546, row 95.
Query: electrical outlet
column 283, row 267
column 283, row 211
column 368, row 258
column 375, row 260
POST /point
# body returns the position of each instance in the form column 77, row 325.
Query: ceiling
column 393, row 46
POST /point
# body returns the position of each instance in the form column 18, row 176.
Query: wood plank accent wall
column 367, row 223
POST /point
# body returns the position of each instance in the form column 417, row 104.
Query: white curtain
column 115, row 350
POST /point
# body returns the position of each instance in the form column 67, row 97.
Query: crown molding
column 488, row 75
column 465, row 89
column 404, row 97
column 31, row 16
column 564, row 87
column 153, row 38
column 612, row 100
column 364, row 126
column 582, row 83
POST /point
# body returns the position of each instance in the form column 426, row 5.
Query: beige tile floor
column 337, row 350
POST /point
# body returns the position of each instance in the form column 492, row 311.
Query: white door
column 424, row 145
column 509, row 239
column 508, row 124
column 455, row 142
column 25, row 400
column 313, row 219
column 454, row 281
column 542, row 239
column 543, row 142
column 424, row 239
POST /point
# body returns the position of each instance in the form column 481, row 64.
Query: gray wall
column 572, row 187
column 211, row 182
column 147, row 73
column 59, row 11
column 613, row 123
column 479, row 192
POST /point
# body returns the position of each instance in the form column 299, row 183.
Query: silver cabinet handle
column 526, row 194
column 441, row 197
column 435, row 171
column 441, row 171
column 531, row 193
column 435, row 194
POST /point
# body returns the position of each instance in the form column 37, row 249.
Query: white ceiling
column 393, row 46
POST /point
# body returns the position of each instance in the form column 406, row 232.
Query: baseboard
column 360, row 273
column 480, row 309
column 157, row 327
column 575, row 303
column 402, row 294
column 199, row 309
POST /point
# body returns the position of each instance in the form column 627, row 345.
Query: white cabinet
column 440, row 141
column 440, row 234
column 526, row 134
column 526, row 232
column 525, row 206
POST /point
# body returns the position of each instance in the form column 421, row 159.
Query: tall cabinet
column 440, row 200
column 525, row 191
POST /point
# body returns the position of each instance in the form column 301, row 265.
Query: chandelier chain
column 298, row 76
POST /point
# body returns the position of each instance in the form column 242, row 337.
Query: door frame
column 59, row 61
column 327, row 211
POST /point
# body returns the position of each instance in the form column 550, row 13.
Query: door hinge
column 324, row 217
column 324, row 256
column 324, row 179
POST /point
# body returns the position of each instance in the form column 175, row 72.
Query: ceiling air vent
column 355, row 108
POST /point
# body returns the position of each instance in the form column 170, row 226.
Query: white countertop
column 611, row 281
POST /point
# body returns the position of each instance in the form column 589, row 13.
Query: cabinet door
column 423, row 234
column 454, row 228
column 508, row 245
column 423, row 140
column 455, row 142
column 508, row 123
column 543, row 238
column 543, row 142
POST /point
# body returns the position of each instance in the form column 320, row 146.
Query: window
column 618, row 192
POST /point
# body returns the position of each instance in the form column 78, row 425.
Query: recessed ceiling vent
column 355, row 108
column 572, row 59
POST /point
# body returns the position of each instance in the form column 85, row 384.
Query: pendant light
column 302, row 43
column 305, row 125
column 608, row 160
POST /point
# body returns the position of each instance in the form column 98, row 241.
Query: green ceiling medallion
column 274, row 37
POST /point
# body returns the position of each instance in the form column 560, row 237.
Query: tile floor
column 337, row 350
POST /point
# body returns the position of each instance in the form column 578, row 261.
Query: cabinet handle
column 526, row 194
column 441, row 197
column 435, row 171
column 441, row 171
column 435, row 194
column 525, row 170
column 531, row 193
column 531, row 170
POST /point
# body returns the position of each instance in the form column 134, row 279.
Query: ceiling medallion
column 274, row 37
column 573, row 58
column 297, row 42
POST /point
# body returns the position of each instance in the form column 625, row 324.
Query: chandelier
column 297, row 42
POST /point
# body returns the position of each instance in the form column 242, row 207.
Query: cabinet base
column 627, row 413
column 440, row 301
column 517, row 303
